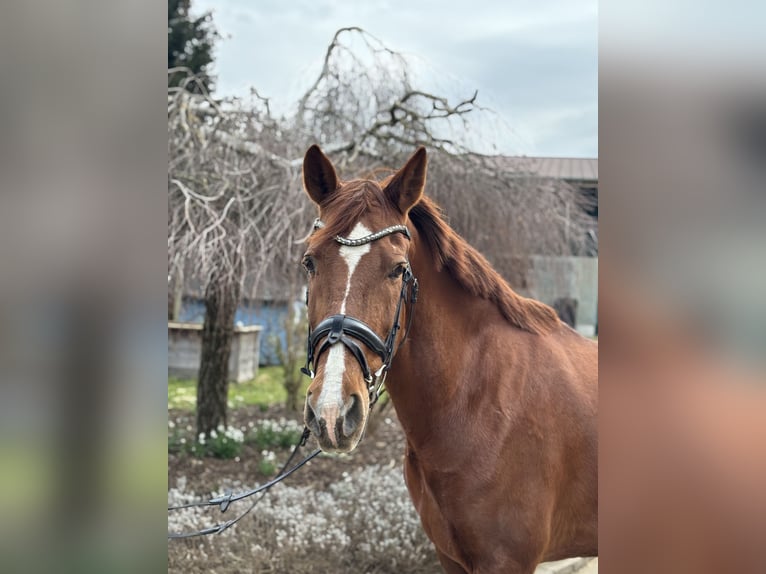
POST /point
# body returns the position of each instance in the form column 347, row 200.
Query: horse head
column 359, row 285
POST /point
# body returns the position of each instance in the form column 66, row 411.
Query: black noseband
column 335, row 328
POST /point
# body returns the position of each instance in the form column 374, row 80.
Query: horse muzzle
column 337, row 426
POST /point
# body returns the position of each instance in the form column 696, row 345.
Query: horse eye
column 397, row 272
column 308, row 264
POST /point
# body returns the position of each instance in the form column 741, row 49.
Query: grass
column 265, row 390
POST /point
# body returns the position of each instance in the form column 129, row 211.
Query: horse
column 496, row 396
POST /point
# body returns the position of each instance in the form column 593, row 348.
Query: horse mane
column 475, row 274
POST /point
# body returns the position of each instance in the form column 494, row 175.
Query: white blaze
column 332, row 385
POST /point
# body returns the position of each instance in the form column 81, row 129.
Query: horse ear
column 406, row 187
column 319, row 177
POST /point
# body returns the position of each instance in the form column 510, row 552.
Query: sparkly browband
column 319, row 224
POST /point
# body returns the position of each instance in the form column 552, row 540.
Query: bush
column 363, row 523
column 228, row 442
column 283, row 433
column 176, row 440
column 221, row 443
column 268, row 464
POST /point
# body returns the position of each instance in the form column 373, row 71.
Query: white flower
column 234, row 434
column 268, row 455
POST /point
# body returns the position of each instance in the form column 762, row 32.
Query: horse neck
column 422, row 380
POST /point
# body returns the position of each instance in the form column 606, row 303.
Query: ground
column 340, row 513
column 384, row 448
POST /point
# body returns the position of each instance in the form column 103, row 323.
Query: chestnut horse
column 496, row 396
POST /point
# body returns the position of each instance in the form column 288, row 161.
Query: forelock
column 349, row 205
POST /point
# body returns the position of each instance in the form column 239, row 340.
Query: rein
column 334, row 329
column 223, row 501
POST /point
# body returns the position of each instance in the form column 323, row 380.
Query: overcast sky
column 536, row 63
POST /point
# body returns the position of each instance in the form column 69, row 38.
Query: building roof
column 566, row 168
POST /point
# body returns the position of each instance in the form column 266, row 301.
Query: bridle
column 333, row 329
column 347, row 330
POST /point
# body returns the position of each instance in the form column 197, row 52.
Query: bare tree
column 235, row 204
column 230, row 203
column 369, row 114
column 509, row 215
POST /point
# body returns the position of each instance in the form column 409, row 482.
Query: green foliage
column 229, row 442
column 265, row 390
column 275, row 434
column 292, row 351
column 220, row 443
column 176, row 440
column 268, row 464
column 190, row 44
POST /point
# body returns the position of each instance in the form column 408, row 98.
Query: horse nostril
column 352, row 418
column 310, row 415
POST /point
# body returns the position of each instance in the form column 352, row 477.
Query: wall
column 550, row 278
column 268, row 315
column 185, row 346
